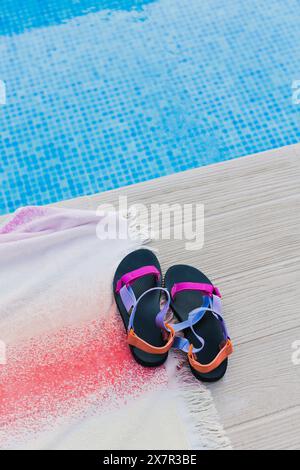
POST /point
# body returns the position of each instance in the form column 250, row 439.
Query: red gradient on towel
column 51, row 375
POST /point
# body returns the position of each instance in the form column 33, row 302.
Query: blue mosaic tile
column 104, row 96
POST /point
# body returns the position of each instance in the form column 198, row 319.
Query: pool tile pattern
column 106, row 96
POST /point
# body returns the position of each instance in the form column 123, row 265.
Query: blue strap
column 130, row 302
column 210, row 304
column 184, row 345
column 194, row 316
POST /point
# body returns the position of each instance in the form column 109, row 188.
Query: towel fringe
column 205, row 432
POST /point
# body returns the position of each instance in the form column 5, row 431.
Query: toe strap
column 225, row 352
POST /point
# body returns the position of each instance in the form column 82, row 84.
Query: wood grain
column 252, row 252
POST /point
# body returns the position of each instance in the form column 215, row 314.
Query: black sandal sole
column 209, row 327
column 148, row 307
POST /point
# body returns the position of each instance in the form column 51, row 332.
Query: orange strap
column 137, row 342
column 206, row 368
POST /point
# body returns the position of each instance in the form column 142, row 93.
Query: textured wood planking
column 252, row 251
column 280, row 432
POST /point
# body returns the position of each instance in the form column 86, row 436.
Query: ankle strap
column 216, row 362
column 139, row 343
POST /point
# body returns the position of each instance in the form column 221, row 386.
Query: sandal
column 137, row 290
column 197, row 305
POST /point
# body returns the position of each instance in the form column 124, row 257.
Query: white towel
column 68, row 380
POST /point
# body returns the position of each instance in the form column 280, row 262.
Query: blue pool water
column 102, row 94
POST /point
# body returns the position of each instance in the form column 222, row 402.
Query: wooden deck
column 252, row 252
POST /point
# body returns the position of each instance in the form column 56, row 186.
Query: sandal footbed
column 209, row 327
column 148, row 307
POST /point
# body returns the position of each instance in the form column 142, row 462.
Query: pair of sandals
column 196, row 304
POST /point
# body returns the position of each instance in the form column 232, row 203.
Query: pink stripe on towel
column 52, row 376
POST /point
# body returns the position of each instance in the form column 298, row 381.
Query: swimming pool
column 102, row 94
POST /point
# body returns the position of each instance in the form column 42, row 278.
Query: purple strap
column 207, row 289
column 216, row 307
column 132, row 276
column 128, row 297
column 160, row 316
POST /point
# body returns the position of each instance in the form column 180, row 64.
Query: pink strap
column 207, row 289
column 132, row 276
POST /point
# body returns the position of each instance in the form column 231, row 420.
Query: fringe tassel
column 205, row 432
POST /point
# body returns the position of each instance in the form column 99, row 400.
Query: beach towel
column 67, row 378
